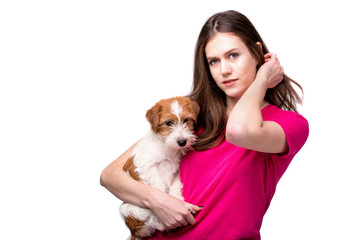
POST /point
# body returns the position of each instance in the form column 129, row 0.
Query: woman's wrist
column 256, row 92
column 149, row 199
column 261, row 80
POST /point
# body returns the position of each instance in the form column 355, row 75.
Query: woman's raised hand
column 271, row 70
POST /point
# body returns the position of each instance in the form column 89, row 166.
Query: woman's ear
column 259, row 45
column 261, row 60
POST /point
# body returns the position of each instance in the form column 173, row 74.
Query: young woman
column 248, row 133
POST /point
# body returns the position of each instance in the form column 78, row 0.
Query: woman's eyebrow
column 226, row 53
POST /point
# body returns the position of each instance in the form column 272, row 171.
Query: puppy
column 156, row 158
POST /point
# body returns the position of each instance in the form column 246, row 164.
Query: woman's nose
column 225, row 68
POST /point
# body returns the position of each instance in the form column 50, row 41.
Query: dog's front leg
column 176, row 187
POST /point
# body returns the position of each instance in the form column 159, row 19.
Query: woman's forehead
column 221, row 43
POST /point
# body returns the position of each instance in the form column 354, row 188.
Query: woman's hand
column 173, row 212
column 271, row 70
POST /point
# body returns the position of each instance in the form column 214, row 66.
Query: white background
column 76, row 80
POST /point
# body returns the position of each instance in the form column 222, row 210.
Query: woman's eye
column 169, row 123
column 212, row 62
column 234, row 55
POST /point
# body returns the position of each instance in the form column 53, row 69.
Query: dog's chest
column 160, row 175
column 156, row 164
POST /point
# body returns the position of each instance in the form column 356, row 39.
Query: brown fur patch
column 190, row 112
column 130, row 167
column 137, row 227
column 152, row 115
column 165, row 118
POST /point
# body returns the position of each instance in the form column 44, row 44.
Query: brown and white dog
column 156, row 158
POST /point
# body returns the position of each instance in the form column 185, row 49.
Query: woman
column 248, row 130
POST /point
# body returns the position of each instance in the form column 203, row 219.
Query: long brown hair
column 211, row 99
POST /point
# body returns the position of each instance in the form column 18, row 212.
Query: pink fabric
column 235, row 185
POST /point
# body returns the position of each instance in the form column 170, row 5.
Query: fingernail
column 201, row 206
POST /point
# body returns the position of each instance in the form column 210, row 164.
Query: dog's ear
column 152, row 115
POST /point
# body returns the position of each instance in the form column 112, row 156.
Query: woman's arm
column 114, row 179
column 245, row 126
column 172, row 212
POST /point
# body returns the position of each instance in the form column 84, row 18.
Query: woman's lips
column 229, row 82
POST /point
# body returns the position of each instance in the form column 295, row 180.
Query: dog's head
column 174, row 119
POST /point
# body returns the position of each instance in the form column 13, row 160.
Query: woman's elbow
column 235, row 134
column 104, row 177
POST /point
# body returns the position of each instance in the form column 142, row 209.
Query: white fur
column 176, row 109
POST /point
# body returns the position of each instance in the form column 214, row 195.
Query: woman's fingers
column 267, row 55
column 187, row 217
column 193, row 209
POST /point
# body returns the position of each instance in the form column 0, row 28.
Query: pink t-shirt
column 235, row 185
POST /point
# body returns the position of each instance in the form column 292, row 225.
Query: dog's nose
column 181, row 142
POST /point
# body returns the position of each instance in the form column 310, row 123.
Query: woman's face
column 231, row 64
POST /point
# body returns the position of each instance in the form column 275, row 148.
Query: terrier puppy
column 156, row 158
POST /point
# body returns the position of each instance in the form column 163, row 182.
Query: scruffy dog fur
column 156, row 158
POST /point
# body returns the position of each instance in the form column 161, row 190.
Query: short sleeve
column 296, row 129
column 295, row 126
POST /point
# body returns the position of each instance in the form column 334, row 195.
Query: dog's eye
column 169, row 123
column 186, row 120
